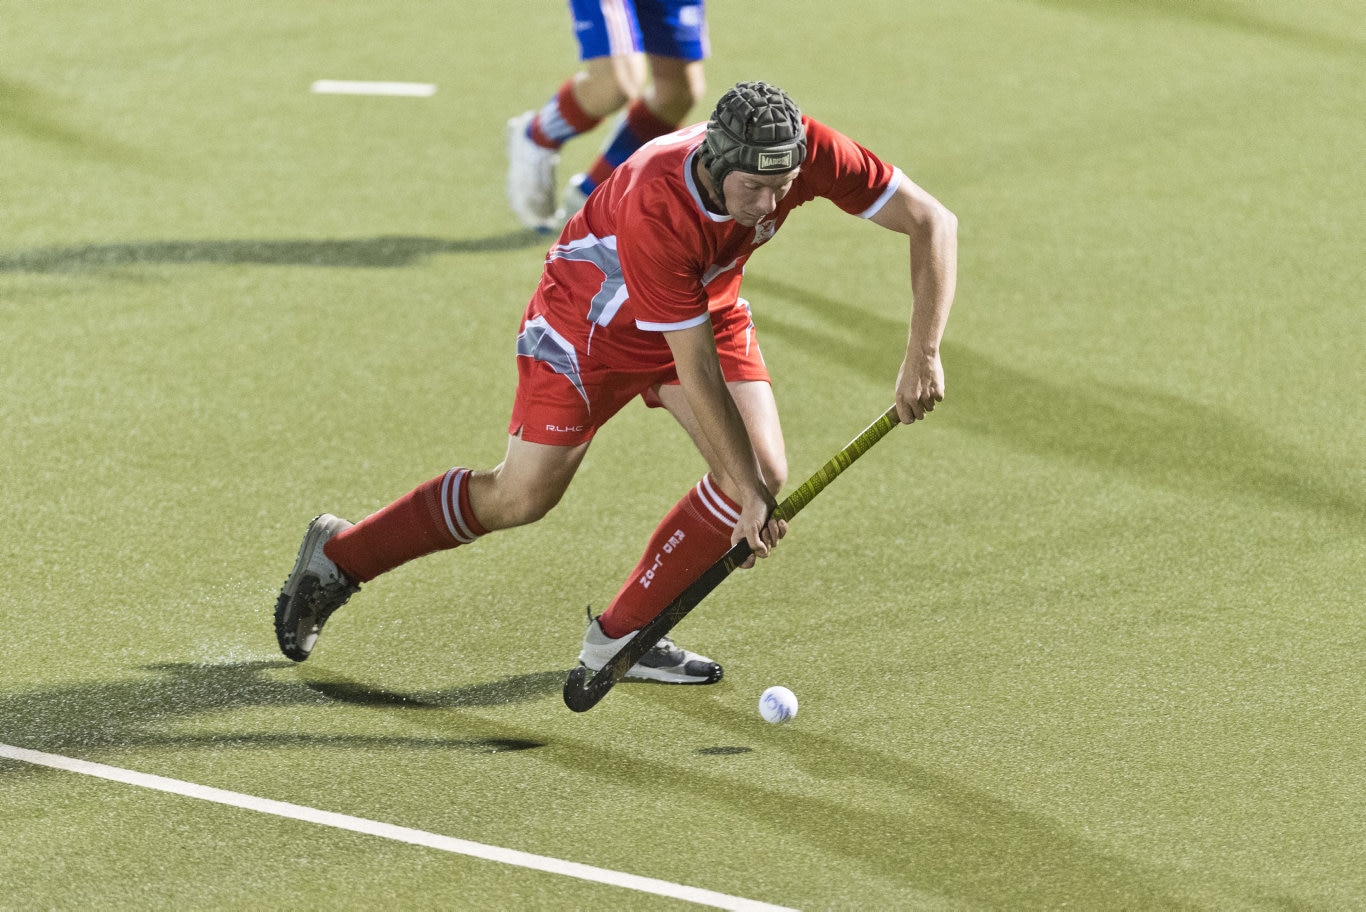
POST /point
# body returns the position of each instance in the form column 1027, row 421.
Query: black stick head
column 579, row 693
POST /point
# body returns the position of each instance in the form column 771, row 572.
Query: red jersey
column 645, row 255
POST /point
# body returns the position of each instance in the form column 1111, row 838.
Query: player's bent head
column 756, row 128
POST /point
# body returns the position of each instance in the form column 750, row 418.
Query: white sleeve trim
column 895, row 182
column 668, row 327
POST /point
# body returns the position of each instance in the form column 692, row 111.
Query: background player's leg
column 613, row 73
column 675, row 87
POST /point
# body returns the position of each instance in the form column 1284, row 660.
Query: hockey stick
column 582, row 693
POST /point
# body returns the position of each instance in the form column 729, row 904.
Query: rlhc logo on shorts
column 775, row 161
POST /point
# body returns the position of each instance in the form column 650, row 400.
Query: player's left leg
column 696, row 531
column 708, row 513
column 693, row 535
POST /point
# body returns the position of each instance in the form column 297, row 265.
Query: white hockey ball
column 778, row 705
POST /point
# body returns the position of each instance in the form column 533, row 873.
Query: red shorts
column 557, row 408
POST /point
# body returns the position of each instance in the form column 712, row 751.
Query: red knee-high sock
column 692, row 537
column 560, row 119
column 434, row 516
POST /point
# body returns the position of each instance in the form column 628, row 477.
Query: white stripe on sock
column 716, row 503
column 450, row 506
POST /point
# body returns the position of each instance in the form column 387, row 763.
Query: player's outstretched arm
column 933, row 232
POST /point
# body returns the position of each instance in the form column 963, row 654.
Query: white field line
column 388, row 831
column 354, row 87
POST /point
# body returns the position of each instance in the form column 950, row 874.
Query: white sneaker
column 316, row 587
column 531, row 176
column 666, row 662
column 572, row 199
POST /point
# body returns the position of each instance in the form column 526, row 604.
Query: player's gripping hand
column 758, row 526
column 919, row 386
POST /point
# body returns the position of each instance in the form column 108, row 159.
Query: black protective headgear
column 755, row 128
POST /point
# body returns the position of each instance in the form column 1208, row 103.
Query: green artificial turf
column 1090, row 637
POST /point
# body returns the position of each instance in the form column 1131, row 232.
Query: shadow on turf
column 895, row 820
column 389, row 252
column 34, row 113
column 1159, row 439
column 146, row 711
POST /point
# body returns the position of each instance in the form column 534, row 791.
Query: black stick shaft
column 582, row 694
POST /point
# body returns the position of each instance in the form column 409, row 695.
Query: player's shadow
column 937, row 833
column 383, row 252
column 149, row 710
column 1162, row 440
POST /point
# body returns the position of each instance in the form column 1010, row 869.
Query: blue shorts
column 663, row 28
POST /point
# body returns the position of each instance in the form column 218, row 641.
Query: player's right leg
column 556, row 411
column 448, row 511
column 314, row 589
